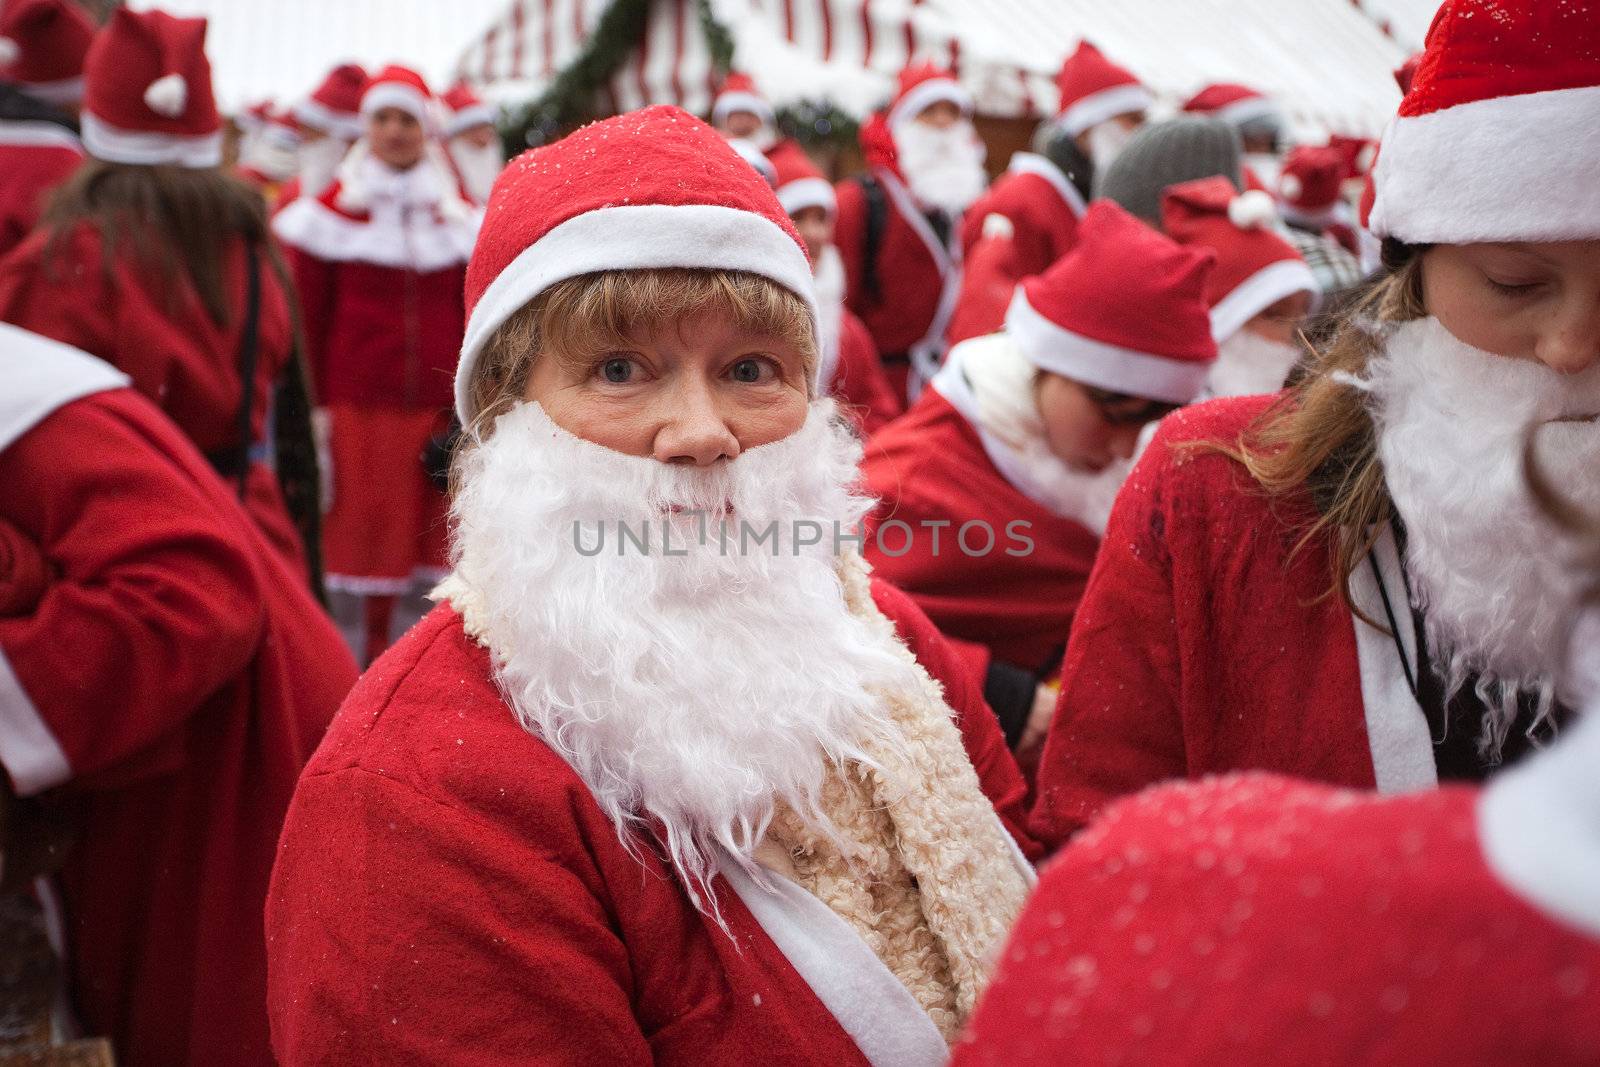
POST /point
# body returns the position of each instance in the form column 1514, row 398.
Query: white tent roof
column 1328, row 62
column 280, row 49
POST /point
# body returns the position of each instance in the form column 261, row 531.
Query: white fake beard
column 1494, row 577
column 829, row 278
column 478, row 167
column 1106, row 142
column 1265, row 166
column 689, row 692
column 1249, row 364
column 943, row 167
column 318, row 163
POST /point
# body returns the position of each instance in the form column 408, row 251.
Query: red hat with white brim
column 1233, row 104
column 147, row 92
column 1093, row 90
column 800, row 184
column 920, row 87
column 43, row 44
column 335, row 107
column 739, row 93
column 465, row 109
column 403, row 89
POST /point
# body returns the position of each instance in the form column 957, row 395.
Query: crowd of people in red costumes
column 652, row 601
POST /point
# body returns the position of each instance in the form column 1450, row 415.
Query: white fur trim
column 105, row 141
column 864, row 997
column 63, row 92
column 728, row 103
column 1041, row 167
column 1247, row 110
column 341, row 124
column 1258, row 292
column 461, row 121
column 1539, row 825
column 28, row 750
column 167, row 95
column 1090, row 111
column 42, row 375
column 39, row 135
column 1096, row 363
column 10, row 51
column 398, row 95
column 925, row 96
column 633, row 237
column 1397, row 729
column 802, row 193
column 311, row 226
column 1514, row 168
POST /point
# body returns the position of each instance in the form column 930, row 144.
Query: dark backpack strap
column 877, row 220
column 249, row 349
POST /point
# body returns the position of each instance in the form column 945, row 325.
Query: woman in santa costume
column 328, row 122
column 164, row 676
column 42, row 48
column 157, row 262
column 690, row 799
column 1349, row 583
column 995, row 488
column 899, row 225
column 472, row 142
column 380, row 259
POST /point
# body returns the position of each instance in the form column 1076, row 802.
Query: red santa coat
column 162, row 337
column 164, row 684
column 1253, row 919
column 35, row 157
column 857, row 379
column 448, row 892
column 1202, row 647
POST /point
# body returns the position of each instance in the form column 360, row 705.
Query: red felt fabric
column 1201, row 646
column 133, row 50
column 187, row 675
column 158, row 333
column 449, row 893
column 908, row 276
column 860, row 383
column 24, row 573
column 33, row 171
column 1253, row 919
column 990, row 274
column 931, row 466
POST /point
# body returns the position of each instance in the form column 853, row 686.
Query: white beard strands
column 691, row 693
column 943, row 168
column 1249, row 364
column 829, row 278
column 1494, row 578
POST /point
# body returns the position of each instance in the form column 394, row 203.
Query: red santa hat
column 1358, row 154
column 402, row 88
column 739, row 93
column 1233, row 104
column 464, row 109
column 922, row 85
column 147, row 92
column 1255, row 267
column 1311, row 180
column 1125, row 310
column 652, row 189
column 1499, row 137
column 1094, row 89
column 1406, row 73
column 335, row 107
column 800, row 184
column 42, row 48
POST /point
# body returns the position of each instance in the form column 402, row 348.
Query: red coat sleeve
column 69, row 298
column 1117, row 726
column 988, row 279
column 963, row 691
column 860, row 383
column 369, row 963
column 317, row 281
column 153, row 603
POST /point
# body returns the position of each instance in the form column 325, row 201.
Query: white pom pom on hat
column 1252, row 210
column 10, row 51
column 167, row 95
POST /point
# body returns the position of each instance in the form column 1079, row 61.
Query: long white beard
column 828, row 274
column 318, row 163
column 1494, row 577
column 478, row 167
column 1248, row 364
column 690, row 692
column 1106, row 142
column 943, row 167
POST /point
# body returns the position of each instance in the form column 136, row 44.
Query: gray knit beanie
column 1169, row 153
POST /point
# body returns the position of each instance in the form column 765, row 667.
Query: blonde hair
column 580, row 318
column 1320, row 435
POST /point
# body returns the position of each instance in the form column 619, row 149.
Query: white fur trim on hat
column 925, row 95
column 39, row 135
column 1104, row 366
column 1511, row 168
column 1096, row 108
column 63, row 92
column 634, row 237
column 167, row 95
column 397, row 95
column 10, row 51
column 1248, row 110
column 802, row 193
column 333, row 123
column 728, row 103
column 1258, row 292
column 461, row 121
column 105, row 141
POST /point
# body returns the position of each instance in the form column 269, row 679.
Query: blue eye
column 749, row 371
column 617, row 370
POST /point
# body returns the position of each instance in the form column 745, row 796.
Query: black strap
column 249, row 346
column 877, row 220
column 1394, row 624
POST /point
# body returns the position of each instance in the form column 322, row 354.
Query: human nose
column 695, row 430
column 1573, row 344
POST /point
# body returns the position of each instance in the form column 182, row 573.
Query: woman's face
column 693, row 392
column 1088, row 436
column 396, row 137
column 1526, row 301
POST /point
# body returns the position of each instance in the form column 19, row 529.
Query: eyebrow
column 1522, row 249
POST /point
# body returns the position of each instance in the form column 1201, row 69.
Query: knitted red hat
column 651, row 189
column 1255, row 267
column 399, row 87
column 1233, row 104
column 739, row 93
column 1094, row 89
column 464, row 109
column 1125, row 310
column 922, row 85
column 800, row 183
column 147, row 92
column 335, row 107
column 1309, row 184
column 42, row 47
column 1499, row 137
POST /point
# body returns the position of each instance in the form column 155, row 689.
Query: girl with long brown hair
column 1350, row 582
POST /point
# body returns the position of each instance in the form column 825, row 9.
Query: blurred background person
column 472, row 142
column 42, row 48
